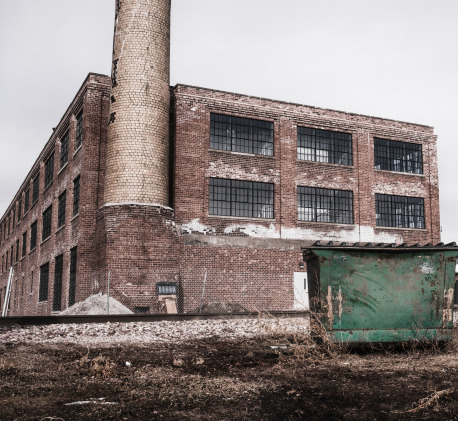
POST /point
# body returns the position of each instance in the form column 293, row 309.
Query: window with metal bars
column 76, row 196
column 392, row 155
column 399, row 211
column 13, row 220
column 241, row 198
column 19, row 210
column 11, row 255
column 324, row 146
column 47, row 221
column 33, row 235
column 61, row 209
column 79, row 130
column 24, row 244
column 26, row 201
column 44, row 281
column 324, row 205
column 17, row 250
column 72, row 283
column 49, row 170
column 35, row 188
column 63, row 151
column 58, row 272
column 166, row 288
column 237, row 134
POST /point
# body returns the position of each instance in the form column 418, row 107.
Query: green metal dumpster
column 382, row 292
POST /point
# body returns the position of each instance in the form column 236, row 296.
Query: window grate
column 399, row 211
column 33, row 235
column 324, row 205
column 324, row 146
column 61, row 209
column 76, row 196
column 397, row 156
column 44, row 281
column 241, row 198
column 24, row 244
column 64, row 150
column 166, row 288
column 49, row 170
column 26, row 201
column 58, row 272
column 237, row 134
column 72, row 283
column 35, row 188
column 47, row 220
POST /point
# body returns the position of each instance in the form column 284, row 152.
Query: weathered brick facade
column 143, row 215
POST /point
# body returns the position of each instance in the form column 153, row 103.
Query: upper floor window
column 13, row 223
column 49, row 170
column 63, row 150
column 241, row 198
column 399, row 211
column 33, row 235
column 47, row 220
column 61, row 209
column 19, row 210
column 324, row 146
column 237, row 134
column 324, row 205
column 35, row 188
column 26, row 201
column 392, row 155
column 24, row 243
column 79, row 130
column 44, row 280
column 76, row 196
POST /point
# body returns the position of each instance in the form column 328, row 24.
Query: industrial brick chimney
column 137, row 161
column 136, row 239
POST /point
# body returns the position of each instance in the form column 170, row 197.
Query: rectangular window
column 324, row 205
column 61, row 209
column 399, row 211
column 64, row 150
column 76, row 196
column 58, row 272
column 33, row 235
column 324, row 146
column 49, row 170
column 72, row 284
column 47, row 220
column 79, row 130
column 44, row 281
column 19, row 210
column 241, row 198
column 26, row 201
column 238, row 134
column 166, row 288
column 6, row 261
column 24, row 244
column 35, row 188
column 11, row 255
column 14, row 220
column 17, row 250
column 397, row 156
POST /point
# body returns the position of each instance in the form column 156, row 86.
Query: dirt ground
column 272, row 377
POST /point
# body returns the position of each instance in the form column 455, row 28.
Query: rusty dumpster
column 382, row 292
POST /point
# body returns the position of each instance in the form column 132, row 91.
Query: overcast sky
column 396, row 59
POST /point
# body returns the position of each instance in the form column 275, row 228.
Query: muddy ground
column 271, row 377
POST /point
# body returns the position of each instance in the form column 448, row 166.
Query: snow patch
column 196, row 226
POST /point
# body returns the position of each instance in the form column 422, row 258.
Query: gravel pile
column 151, row 332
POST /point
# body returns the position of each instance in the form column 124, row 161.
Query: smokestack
column 138, row 129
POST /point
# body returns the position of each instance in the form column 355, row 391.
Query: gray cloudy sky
column 388, row 58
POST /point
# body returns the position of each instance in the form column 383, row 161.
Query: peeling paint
column 195, row 226
column 427, row 268
column 447, row 315
column 329, row 301
column 339, row 299
column 253, row 230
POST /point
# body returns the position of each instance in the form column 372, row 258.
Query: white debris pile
column 137, row 333
column 97, row 304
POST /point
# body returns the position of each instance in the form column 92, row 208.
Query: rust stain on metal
column 329, row 301
column 447, row 314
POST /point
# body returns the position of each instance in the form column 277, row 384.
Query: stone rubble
column 151, row 332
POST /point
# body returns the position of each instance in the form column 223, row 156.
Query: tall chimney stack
column 137, row 162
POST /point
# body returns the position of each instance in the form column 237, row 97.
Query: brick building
column 203, row 194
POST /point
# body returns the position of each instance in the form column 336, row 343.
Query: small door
column 301, row 291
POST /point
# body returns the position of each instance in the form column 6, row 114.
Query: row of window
column 46, row 226
column 256, row 200
column 10, row 222
column 246, row 135
column 43, row 289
